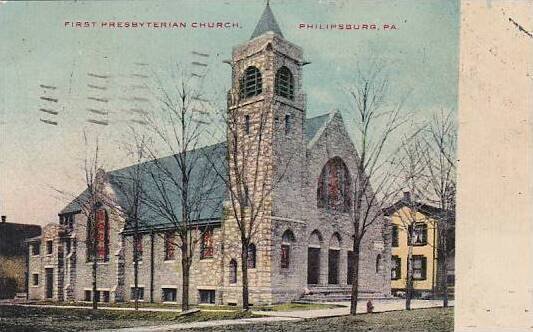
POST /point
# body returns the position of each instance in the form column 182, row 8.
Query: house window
column 419, row 234
column 251, row 256
column 139, row 295
column 138, row 247
column 284, row 83
column 49, row 247
column 396, row 268
column 233, row 271
column 106, row 296
column 251, row 83
column 286, row 241
column 35, row 279
column 394, row 236
column 247, row 124
column 288, row 124
column 378, row 263
column 206, row 246
column 169, row 294
column 169, row 246
column 333, row 190
column 36, row 249
column 419, row 267
column 207, row 296
column 87, row 296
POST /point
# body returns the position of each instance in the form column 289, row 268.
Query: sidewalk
column 379, row 306
column 278, row 316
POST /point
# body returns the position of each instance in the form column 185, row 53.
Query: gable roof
column 210, row 208
column 313, row 125
column 267, row 23
column 426, row 209
column 207, row 189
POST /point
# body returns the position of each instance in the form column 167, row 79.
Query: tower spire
column 267, row 23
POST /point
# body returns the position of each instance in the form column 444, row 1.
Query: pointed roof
column 266, row 23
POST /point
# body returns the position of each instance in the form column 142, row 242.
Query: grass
column 418, row 320
column 297, row 306
column 275, row 307
column 23, row 318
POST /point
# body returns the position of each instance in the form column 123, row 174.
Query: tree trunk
column 409, row 282
column 444, row 269
column 95, row 303
column 94, row 257
column 185, row 266
column 136, row 274
column 355, row 275
column 244, row 268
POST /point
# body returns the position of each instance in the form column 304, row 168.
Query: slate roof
column 203, row 177
column 313, row 125
column 266, row 23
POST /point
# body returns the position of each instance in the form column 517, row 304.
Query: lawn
column 208, row 307
column 430, row 320
column 18, row 318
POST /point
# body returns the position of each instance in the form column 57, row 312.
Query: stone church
column 304, row 246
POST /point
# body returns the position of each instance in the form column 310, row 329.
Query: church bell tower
column 267, row 97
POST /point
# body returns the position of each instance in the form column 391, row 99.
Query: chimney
column 407, row 196
column 4, row 218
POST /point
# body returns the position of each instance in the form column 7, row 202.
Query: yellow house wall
column 400, row 218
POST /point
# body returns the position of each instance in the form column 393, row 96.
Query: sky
column 38, row 48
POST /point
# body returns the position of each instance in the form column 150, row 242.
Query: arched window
column 251, row 83
column 378, row 263
column 333, row 190
column 286, row 240
column 206, row 245
column 99, row 233
column 251, row 256
column 284, row 83
column 233, row 271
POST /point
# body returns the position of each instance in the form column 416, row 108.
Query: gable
column 209, row 204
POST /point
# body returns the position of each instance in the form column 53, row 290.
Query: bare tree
column 248, row 175
column 88, row 203
column 375, row 121
column 440, row 161
column 184, row 176
column 411, row 177
column 130, row 197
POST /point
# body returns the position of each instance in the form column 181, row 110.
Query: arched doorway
column 313, row 258
column 334, row 259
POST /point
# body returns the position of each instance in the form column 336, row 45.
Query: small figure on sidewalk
column 369, row 307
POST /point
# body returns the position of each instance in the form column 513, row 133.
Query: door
column 333, row 267
column 313, row 265
column 49, row 283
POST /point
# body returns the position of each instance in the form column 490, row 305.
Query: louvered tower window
column 251, row 83
column 284, row 84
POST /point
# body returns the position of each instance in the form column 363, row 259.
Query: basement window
column 169, row 294
column 207, row 296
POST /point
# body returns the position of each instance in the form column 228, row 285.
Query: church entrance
column 350, row 267
column 49, row 282
column 333, row 267
column 313, row 266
